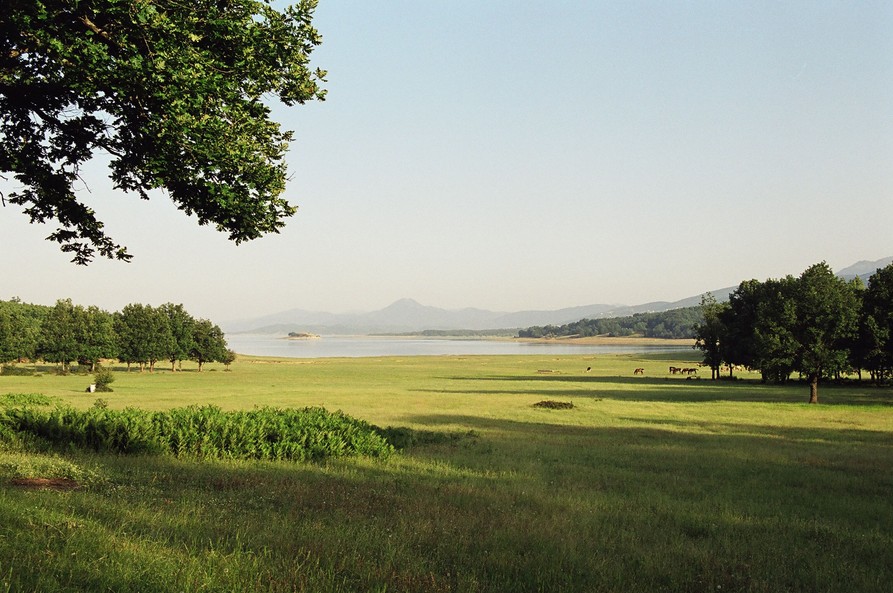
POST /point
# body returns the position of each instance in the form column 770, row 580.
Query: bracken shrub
column 25, row 399
column 204, row 432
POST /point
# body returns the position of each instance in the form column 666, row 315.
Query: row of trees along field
column 676, row 323
column 817, row 325
column 138, row 334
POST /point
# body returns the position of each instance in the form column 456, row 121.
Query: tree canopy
column 174, row 92
column 809, row 324
column 138, row 334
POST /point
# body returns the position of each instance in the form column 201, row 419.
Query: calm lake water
column 358, row 346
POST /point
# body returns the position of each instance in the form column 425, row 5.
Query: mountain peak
column 405, row 304
column 865, row 268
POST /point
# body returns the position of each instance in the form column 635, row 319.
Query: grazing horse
column 674, row 370
column 639, row 371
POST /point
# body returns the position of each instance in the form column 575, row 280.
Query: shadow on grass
column 672, row 389
column 731, row 507
column 740, row 436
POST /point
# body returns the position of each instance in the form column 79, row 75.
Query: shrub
column 205, row 432
column 25, row 399
column 13, row 370
column 554, row 405
column 103, row 378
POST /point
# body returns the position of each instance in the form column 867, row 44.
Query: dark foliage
column 673, row 324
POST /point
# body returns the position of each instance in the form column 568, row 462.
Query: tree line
column 673, row 324
column 817, row 325
column 137, row 335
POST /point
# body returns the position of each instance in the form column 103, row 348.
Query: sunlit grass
column 651, row 483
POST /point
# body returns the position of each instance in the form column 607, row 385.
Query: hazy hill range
column 407, row 315
column 864, row 269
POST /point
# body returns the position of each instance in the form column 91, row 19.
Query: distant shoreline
column 607, row 341
column 569, row 340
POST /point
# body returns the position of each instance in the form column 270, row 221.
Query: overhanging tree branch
column 145, row 85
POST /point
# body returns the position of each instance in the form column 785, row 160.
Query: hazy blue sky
column 535, row 155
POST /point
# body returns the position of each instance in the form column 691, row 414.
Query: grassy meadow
column 648, row 483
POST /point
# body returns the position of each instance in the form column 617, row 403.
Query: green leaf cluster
column 177, row 93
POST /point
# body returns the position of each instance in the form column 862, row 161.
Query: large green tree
column 827, row 321
column 775, row 345
column 62, row 329
column 98, row 339
column 173, row 91
column 739, row 323
column 181, row 326
column 874, row 347
column 144, row 335
column 20, row 327
column 710, row 333
column 208, row 344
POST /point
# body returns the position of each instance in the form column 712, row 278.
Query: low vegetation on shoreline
column 585, row 478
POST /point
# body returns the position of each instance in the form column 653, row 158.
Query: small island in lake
column 302, row 336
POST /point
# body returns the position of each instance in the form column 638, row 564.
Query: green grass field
column 648, row 483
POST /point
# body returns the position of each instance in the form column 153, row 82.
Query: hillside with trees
column 139, row 335
column 673, row 324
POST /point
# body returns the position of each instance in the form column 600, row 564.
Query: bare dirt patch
column 60, row 484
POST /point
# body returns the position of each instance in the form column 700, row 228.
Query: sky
column 515, row 155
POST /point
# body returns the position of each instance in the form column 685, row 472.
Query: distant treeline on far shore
column 674, row 324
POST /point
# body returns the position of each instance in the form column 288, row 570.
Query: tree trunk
column 814, row 388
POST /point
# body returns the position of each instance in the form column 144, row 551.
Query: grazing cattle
column 91, row 388
column 639, row 371
column 588, row 369
column 674, row 370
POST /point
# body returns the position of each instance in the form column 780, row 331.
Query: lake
column 359, row 346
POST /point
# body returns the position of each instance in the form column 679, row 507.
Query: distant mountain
column 407, row 315
column 864, row 269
